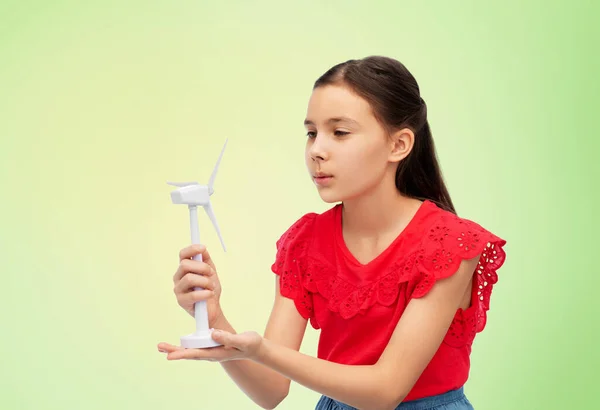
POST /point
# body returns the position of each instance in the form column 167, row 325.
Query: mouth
column 322, row 179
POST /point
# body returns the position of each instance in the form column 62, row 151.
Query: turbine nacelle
column 191, row 195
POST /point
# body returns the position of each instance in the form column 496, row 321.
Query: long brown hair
column 395, row 98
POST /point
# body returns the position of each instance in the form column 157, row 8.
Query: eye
column 311, row 134
column 339, row 133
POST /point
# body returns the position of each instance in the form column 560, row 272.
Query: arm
column 383, row 385
column 420, row 332
column 285, row 328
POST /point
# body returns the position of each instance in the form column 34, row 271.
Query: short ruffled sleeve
column 448, row 242
column 291, row 264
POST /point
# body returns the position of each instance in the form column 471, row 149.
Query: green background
column 102, row 102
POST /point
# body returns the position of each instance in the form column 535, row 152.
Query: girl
column 396, row 282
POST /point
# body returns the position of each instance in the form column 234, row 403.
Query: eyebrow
column 333, row 121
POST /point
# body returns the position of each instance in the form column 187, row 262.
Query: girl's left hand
column 245, row 345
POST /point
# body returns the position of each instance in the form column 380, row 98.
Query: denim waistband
column 424, row 403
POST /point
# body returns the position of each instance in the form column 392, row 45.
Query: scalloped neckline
column 341, row 243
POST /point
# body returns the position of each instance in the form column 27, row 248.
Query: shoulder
column 305, row 225
column 442, row 229
column 291, row 263
column 449, row 241
column 301, row 232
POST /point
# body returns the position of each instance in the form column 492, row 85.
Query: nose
column 317, row 149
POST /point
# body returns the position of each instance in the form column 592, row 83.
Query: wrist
column 222, row 323
column 262, row 351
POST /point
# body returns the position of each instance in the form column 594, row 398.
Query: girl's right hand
column 192, row 273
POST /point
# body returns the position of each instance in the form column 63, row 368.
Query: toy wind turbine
column 193, row 195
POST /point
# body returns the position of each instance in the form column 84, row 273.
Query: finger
column 195, row 296
column 191, row 281
column 193, row 250
column 210, row 354
column 225, row 338
column 190, row 251
column 167, row 348
column 191, row 266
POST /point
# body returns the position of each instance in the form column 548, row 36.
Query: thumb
column 223, row 337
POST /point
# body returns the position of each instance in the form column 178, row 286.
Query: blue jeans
column 452, row 400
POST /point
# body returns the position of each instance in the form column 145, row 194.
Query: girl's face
column 347, row 151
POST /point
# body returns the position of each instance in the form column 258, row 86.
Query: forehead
column 333, row 101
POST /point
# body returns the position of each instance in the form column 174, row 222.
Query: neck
column 379, row 212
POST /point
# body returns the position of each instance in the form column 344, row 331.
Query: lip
column 321, row 175
column 322, row 179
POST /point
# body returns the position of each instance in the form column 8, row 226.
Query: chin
column 329, row 196
column 331, row 201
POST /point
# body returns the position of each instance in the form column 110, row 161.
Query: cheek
column 363, row 166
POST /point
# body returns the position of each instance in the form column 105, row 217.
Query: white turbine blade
column 211, row 181
column 180, row 184
column 211, row 214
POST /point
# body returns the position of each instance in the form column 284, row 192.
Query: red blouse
column 343, row 297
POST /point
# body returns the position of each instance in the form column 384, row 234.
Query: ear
column 401, row 143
